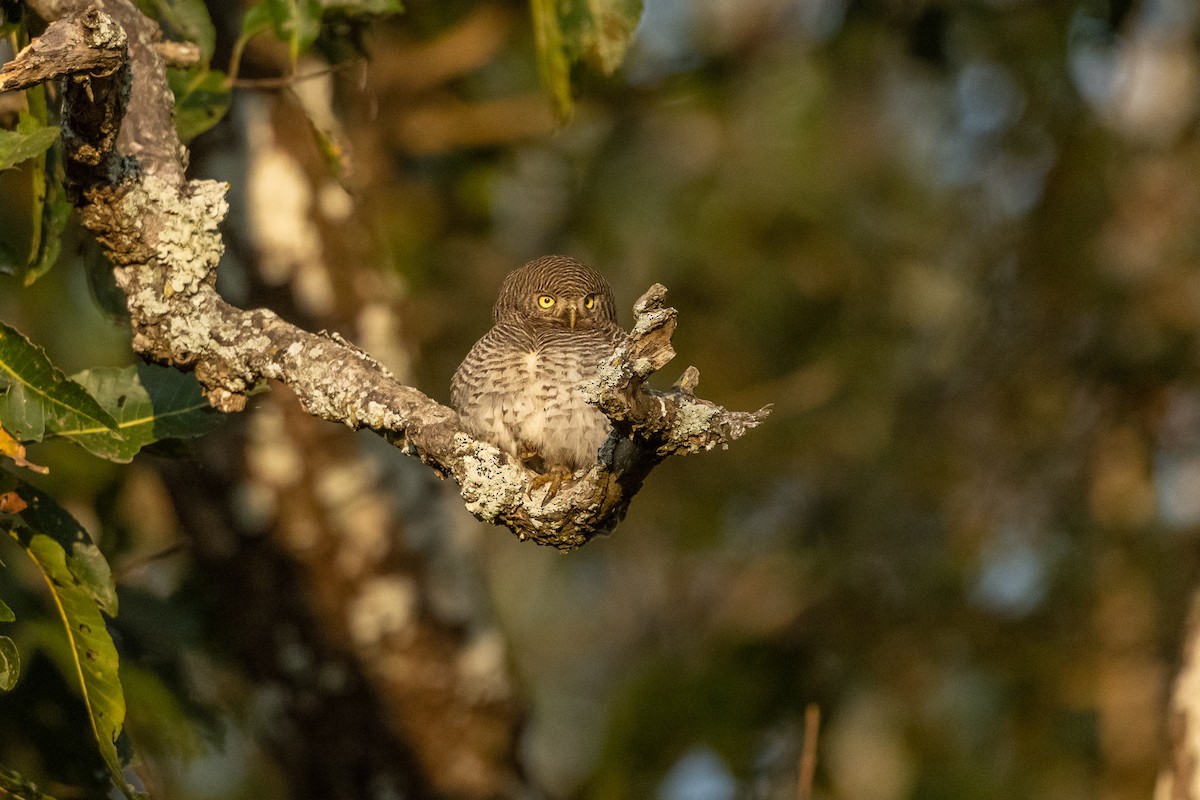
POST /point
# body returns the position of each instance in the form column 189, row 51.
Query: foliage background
column 955, row 244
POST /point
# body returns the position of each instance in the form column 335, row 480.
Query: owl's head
column 558, row 291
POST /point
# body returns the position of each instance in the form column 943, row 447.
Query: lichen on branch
column 160, row 231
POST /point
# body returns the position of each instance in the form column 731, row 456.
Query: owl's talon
column 555, row 477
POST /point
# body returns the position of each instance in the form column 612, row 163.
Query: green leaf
column 297, row 22
column 42, row 514
column 191, row 20
column 256, row 20
column 356, row 8
column 6, row 613
column 553, row 64
column 201, row 98
column 13, row 785
column 23, row 415
column 92, row 648
column 28, row 140
column 78, row 578
column 149, row 403
column 567, row 31
column 39, row 396
column 53, row 213
column 10, row 664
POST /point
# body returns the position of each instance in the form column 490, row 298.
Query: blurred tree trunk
column 373, row 646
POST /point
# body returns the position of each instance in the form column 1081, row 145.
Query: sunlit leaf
column 28, row 140
column 12, row 449
column 149, row 403
column 40, row 398
column 201, row 99
column 10, row 664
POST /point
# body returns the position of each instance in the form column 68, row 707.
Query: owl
column 554, row 323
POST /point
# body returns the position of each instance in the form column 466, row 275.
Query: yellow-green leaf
column 40, row 398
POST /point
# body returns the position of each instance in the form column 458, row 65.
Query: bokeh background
column 957, row 246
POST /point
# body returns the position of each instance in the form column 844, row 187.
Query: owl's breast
column 519, row 389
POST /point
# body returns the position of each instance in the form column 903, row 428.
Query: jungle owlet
column 555, row 322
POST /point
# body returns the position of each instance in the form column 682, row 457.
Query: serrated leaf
column 36, row 387
column 10, row 664
column 553, row 64
column 201, row 99
column 28, row 140
column 149, row 403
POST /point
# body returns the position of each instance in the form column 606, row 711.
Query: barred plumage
column 555, row 322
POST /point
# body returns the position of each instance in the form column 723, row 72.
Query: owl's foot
column 555, row 477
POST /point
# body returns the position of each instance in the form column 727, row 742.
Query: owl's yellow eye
column 545, row 300
column 589, row 302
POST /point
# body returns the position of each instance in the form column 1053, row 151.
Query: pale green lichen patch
column 488, row 485
column 187, row 243
column 692, row 427
column 104, row 32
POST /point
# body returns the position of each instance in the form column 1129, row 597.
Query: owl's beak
column 572, row 312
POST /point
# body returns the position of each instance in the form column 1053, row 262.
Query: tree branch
column 160, row 232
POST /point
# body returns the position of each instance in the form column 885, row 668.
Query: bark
column 160, row 231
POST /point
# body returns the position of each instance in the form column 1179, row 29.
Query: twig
column 808, row 752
